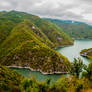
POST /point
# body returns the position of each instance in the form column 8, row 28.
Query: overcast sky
column 80, row 10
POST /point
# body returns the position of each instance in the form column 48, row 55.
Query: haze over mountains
column 75, row 29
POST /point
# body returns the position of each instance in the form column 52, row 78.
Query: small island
column 86, row 53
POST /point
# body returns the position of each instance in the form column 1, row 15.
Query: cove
column 70, row 52
column 73, row 51
column 37, row 75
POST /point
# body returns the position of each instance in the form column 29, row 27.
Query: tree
column 77, row 67
column 88, row 72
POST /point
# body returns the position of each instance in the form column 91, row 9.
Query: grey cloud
column 87, row 1
column 50, row 8
column 8, row 5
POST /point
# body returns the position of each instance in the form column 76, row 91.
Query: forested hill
column 26, row 40
column 75, row 29
column 53, row 35
column 11, row 81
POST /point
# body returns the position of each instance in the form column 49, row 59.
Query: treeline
column 76, row 81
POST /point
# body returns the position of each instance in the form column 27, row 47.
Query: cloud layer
column 80, row 10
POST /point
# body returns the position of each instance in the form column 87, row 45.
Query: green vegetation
column 11, row 81
column 75, row 30
column 87, row 53
column 5, row 29
column 77, row 67
column 24, row 48
column 26, row 41
column 52, row 35
column 64, row 84
column 88, row 72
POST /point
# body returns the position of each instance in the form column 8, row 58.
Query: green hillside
column 53, row 35
column 23, row 47
column 26, row 40
column 75, row 30
column 9, row 80
column 5, row 29
column 87, row 53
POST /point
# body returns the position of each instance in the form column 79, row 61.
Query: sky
column 79, row 10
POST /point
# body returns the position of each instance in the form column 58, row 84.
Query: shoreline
column 62, row 46
column 70, row 44
column 85, row 53
column 44, row 73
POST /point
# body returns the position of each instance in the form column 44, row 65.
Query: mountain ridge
column 28, row 45
column 53, row 33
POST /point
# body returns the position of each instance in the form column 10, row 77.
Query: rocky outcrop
column 45, row 73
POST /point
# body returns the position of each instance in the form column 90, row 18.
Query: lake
column 37, row 75
column 70, row 52
column 73, row 51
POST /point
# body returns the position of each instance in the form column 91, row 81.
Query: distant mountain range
column 75, row 29
column 66, row 21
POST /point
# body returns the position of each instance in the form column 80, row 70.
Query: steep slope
column 8, row 23
column 86, row 53
column 9, row 80
column 23, row 47
column 55, row 35
column 77, row 30
column 5, row 29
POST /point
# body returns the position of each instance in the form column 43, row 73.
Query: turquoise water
column 70, row 52
column 37, row 75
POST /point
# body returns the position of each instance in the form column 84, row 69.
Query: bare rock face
column 33, row 27
column 60, row 39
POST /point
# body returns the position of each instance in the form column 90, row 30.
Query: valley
column 75, row 29
column 39, row 55
column 70, row 52
column 29, row 42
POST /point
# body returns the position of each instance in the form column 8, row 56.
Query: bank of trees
column 79, row 80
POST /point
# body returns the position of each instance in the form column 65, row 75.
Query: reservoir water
column 70, row 52
column 73, row 51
